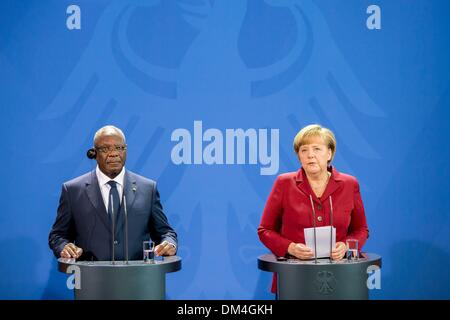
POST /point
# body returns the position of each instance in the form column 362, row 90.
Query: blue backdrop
column 267, row 67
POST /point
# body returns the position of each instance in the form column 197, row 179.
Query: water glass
column 148, row 248
column 352, row 249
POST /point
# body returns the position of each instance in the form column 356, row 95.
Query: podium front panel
column 102, row 280
column 306, row 280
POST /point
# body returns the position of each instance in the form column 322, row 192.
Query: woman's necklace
column 320, row 188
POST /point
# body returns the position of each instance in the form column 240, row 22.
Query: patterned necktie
column 115, row 199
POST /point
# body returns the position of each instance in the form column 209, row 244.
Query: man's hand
column 71, row 251
column 300, row 251
column 165, row 248
column 339, row 251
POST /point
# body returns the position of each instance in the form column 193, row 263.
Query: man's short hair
column 108, row 130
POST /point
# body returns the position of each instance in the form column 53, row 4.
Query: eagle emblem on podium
column 325, row 282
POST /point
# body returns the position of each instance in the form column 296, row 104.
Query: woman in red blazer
column 288, row 209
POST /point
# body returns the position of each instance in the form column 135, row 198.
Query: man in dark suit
column 83, row 224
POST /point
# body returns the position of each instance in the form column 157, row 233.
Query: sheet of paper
column 323, row 240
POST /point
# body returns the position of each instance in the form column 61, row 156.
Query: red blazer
column 288, row 211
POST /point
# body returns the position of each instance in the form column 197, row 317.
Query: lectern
column 136, row 280
column 326, row 280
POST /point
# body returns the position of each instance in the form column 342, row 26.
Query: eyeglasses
column 110, row 149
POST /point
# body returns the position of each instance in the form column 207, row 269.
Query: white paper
column 323, row 240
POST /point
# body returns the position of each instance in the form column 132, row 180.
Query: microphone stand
column 314, row 225
column 331, row 228
column 126, row 226
column 113, row 229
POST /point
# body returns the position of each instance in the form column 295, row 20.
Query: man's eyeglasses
column 110, row 149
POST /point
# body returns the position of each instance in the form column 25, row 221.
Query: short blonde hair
column 305, row 135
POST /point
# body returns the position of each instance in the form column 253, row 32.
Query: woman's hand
column 300, row 251
column 339, row 251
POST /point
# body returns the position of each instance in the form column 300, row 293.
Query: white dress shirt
column 103, row 180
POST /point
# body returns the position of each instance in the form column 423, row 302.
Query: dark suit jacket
column 82, row 218
column 288, row 211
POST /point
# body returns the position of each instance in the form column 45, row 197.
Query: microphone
column 124, row 202
column 113, row 229
column 91, row 153
column 331, row 228
column 314, row 225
